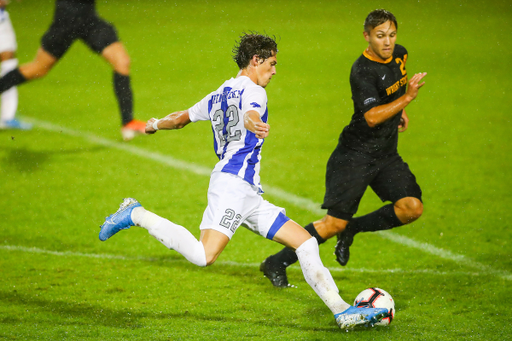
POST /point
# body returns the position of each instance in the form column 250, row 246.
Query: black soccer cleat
column 342, row 249
column 276, row 273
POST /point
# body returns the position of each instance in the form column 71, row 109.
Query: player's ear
column 255, row 60
column 366, row 36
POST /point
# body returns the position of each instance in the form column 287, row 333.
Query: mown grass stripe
column 34, row 250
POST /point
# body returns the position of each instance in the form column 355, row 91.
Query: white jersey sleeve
column 255, row 100
column 199, row 112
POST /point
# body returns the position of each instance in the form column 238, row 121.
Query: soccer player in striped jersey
column 238, row 114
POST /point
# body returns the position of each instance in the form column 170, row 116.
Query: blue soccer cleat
column 120, row 220
column 360, row 317
column 15, row 124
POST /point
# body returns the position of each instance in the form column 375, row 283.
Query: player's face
column 266, row 70
column 381, row 40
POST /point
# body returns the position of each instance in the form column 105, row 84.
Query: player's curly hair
column 251, row 44
column 378, row 17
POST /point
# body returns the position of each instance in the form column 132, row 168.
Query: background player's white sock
column 9, row 98
column 319, row 277
column 173, row 236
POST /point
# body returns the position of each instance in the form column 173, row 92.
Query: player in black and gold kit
column 78, row 19
column 366, row 154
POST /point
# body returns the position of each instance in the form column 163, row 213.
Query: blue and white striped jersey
column 238, row 150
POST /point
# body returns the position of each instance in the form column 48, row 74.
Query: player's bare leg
column 214, row 243
column 117, row 56
column 40, row 66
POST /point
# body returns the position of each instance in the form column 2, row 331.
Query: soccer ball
column 377, row 298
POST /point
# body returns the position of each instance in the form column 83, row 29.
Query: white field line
column 34, row 250
column 300, row 202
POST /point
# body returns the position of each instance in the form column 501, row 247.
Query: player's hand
column 404, row 122
column 149, row 125
column 415, row 83
column 3, row 3
column 261, row 130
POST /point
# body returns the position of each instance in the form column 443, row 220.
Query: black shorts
column 349, row 173
column 74, row 21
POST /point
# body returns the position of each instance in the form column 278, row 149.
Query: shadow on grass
column 84, row 314
column 27, row 161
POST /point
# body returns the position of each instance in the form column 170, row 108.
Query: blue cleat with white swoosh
column 120, row 220
column 354, row 316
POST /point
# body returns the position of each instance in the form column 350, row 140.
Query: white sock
column 9, row 98
column 173, row 236
column 319, row 277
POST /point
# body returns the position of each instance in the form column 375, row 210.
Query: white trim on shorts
column 7, row 36
column 232, row 201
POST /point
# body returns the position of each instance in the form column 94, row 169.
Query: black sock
column 124, row 96
column 312, row 231
column 287, row 256
column 382, row 219
column 11, row 79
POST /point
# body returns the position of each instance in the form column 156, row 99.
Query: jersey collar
column 367, row 55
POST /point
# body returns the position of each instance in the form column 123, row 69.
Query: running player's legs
column 348, row 175
column 117, row 56
column 396, row 183
column 40, row 66
column 54, row 44
column 101, row 37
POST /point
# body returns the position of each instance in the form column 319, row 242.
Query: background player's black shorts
column 77, row 21
column 349, row 173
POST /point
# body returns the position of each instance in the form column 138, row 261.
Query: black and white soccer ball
column 377, row 298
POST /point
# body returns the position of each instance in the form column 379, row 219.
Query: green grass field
column 448, row 272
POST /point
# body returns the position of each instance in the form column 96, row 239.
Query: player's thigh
column 99, row 34
column 348, row 175
column 395, row 181
column 115, row 54
column 58, row 39
column 214, row 243
column 266, row 219
column 291, row 235
column 7, row 36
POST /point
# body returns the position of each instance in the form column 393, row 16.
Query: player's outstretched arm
column 382, row 113
column 176, row 120
column 253, row 123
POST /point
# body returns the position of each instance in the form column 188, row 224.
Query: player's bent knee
column 412, row 207
column 122, row 65
column 416, row 209
column 209, row 261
